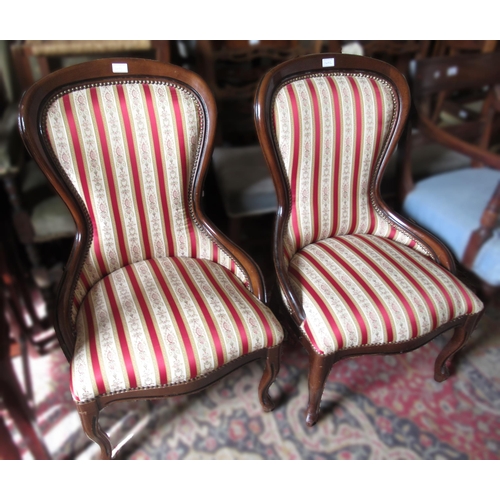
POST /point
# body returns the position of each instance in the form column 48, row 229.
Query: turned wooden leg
column 460, row 337
column 269, row 376
column 319, row 368
column 89, row 416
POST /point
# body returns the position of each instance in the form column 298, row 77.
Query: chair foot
column 269, row 376
column 445, row 357
column 89, row 416
column 319, row 368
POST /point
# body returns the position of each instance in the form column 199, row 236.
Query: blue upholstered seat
column 450, row 206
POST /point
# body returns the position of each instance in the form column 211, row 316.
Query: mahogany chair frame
column 290, row 310
column 33, row 134
column 472, row 138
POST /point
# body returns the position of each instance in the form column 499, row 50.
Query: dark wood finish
column 46, row 55
column 290, row 311
column 232, row 70
column 33, row 135
column 16, row 402
column 456, row 48
column 489, row 221
column 37, row 280
column 432, row 77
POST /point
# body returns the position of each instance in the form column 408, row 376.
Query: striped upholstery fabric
column 165, row 321
column 364, row 290
column 331, row 131
column 130, row 151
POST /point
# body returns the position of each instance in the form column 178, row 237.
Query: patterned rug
column 374, row 407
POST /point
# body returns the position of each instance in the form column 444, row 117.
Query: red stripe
column 160, row 168
column 206, row 313
column 295, row 164
column 258, row 311
column 388, row 282
column 110, row 180
column 337, row 151
column 184, row 167
column 316, row 201
column 442, row 288
column 408, row 276
column 358, row 131
column 94, row 356
column 340, row 290
column 379, row 127
column 322, row 305
column 380, row 305
column 151, row 329
column 83, row 179
column 120, row 330
column 227, row 301
column 135, row 171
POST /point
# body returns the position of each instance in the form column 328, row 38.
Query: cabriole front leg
column 269, row 376
column 319, row 368
column 89, row 416
column 458, row 340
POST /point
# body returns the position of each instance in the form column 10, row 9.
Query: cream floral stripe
column 164, row 321
column 331, row 131
column 365, row 290
column 148, row 169
column 138, row 342
column 129, row 150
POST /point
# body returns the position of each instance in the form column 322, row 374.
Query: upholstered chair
column 354, row 277
column 154, row 300
column 461, row 205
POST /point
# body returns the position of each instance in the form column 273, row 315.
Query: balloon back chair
column 154, row 300
column 355, row 277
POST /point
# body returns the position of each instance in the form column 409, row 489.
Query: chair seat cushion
column 165, row 321
column 365, row 290
column 450, row 206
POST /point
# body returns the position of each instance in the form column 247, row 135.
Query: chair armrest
column 440, row 135
column 484, row 232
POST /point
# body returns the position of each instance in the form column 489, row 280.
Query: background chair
column 154, row 300
column 37, row 216
column 15, row 324
column 354, row 277
column 460, row 205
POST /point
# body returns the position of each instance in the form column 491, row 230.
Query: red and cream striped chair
column 355, row 277
column 154, row 301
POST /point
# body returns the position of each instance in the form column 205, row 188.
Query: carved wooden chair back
column 126, row 143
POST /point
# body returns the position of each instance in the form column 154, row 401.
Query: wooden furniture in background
column 232, row 69
column 34, row 59
column 354, row 276
column 15, row 314
column 460, row 206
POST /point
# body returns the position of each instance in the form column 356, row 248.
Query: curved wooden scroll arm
column 484, row 232
column 441, row 136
